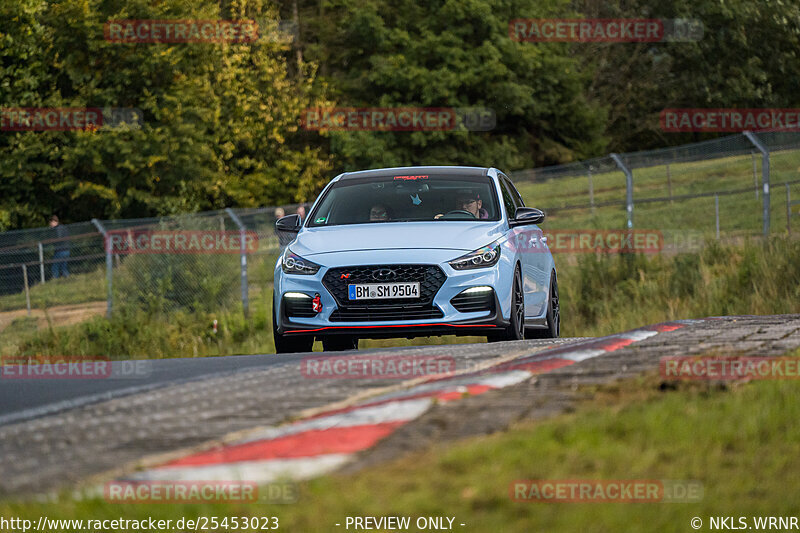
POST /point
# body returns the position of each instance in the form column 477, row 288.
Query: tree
column 220, row 120
column 451, row 53
column 748, row 57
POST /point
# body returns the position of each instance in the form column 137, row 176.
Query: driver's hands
column 440, row 215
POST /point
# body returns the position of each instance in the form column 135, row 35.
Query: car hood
column 439, row 235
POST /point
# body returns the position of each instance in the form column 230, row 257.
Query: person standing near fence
column 284, row 237
column 60, row 249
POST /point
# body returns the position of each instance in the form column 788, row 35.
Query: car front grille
column 430, row 278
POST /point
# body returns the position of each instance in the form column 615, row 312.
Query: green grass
column 139, row 334
column 742, row 442
column 739, row 214
column 600, row 295
column 607, row 294
column 75, row 289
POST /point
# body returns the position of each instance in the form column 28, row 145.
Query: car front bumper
column 451, row 322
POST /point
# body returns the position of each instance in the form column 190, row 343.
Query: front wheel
column 553, row 329
column 516, row 329
column 290, row 344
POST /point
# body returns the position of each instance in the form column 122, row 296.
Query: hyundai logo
column 384, row 274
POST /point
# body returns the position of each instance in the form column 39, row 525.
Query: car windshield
column 407, row 198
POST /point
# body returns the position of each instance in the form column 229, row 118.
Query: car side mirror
column 289, row 223
column 527, row 215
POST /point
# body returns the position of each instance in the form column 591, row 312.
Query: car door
column 533, row 256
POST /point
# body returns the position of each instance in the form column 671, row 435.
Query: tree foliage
column 221, row 122
column 453, row 53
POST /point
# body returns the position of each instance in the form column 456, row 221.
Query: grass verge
column 600, row 295
column 75, row 289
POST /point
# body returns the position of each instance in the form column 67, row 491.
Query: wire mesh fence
column 224, row 259
column 157, row 265
column 719, row 187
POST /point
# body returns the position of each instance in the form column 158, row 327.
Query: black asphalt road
column 23, row 399
column 54, row 432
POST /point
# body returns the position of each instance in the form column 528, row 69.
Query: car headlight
column 291, row 263
column 484, row 257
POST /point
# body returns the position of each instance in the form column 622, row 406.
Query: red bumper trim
column 393, row 326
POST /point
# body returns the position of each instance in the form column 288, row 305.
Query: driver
column 469, row 201
column 379, row 213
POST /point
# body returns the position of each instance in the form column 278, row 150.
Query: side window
column 508, row 199
column 515, row 194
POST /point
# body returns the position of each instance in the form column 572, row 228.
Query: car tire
column 553, row 329
column 339, row 343
column 516, row 329
column 290, row 344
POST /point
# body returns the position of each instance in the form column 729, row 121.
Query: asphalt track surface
column 54, row 432
column 58, row 433
column 24, row 399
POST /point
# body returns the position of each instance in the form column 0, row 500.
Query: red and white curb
column 323, row 443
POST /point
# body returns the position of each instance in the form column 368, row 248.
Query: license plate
column 382, row 291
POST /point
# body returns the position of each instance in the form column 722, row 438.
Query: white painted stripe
column 399, row 411
column 494, row 380
column 251, row 471
column 638, row 335
column 582, row 355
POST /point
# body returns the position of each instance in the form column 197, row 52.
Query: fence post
column 764, row 175
column 238, row 222
column 755, row 173
column 27, row 288
column 716, row 211
column 669, row 183
column 109, row 265
column 41, row 262
column 591, row 189
column 628, row 187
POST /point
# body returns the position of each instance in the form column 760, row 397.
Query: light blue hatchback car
column 414, row 251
